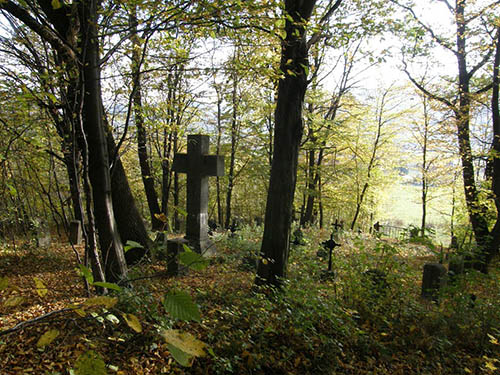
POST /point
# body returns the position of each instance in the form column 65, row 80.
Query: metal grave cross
column 198, row 166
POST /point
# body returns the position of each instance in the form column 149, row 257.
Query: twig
column 30, row 322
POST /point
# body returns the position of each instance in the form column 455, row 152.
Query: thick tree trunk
column 492, row 249
column 288, row 133
column 128, row 218
column 477, row 211
column 109, row 238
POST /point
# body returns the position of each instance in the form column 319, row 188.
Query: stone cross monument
column 198, row 165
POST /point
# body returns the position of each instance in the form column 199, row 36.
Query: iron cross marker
column 198, row 166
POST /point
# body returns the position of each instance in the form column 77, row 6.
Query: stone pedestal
column 433, row 280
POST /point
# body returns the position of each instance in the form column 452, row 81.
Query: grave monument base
column 205, row 247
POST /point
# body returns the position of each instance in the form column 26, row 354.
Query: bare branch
column 431, row 32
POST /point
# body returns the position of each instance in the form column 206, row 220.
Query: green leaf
column 183, row 346
column 4, row 283
column 41, row 289
column 180, row 306
column 90, row 363
column 133, row 322
column 14, row 301
column 47, row 338
column 56, row 4
column 106, row 285
column 193, row 260
column 112, row 318
column 181, row 357
column 85, row 272
column 132, row 245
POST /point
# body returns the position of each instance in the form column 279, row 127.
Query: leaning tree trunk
column 128, row 218
column 109, row 238
column 288, row 134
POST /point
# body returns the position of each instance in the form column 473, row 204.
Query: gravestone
column 298, row 237
column 43, row 239
column 212, row 227
column 455, row 267
column 433, row 280
column 329, row 245
column 174, row 247
column 75, row 232
column 198, row 166
column 234, row 227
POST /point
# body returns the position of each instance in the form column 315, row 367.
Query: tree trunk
column 425, row 167
column 142, row 150
column 109, row 238
column 234, row 140
column 217, row 152
column 288, row 133
column 492, row 248
column 477, row 211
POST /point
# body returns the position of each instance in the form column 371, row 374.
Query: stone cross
column 198, row 165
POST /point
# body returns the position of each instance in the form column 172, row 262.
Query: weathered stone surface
column 198, row 166
column 174, row 247
column 75, row 232
column 433, row 280
column 43, row 240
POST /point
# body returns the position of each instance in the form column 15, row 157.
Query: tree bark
column 109, row 238
column 142, row 150
column 288, row 133
column 234, row 140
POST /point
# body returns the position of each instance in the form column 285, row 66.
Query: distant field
column 401, row 205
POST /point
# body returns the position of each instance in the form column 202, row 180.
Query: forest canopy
column 380, row 117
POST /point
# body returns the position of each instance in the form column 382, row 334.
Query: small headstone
column 456, row 266
column 454, row 243
column 174, row 247
column 298, row 237
column 212, row 227
column 234, row 227
column 43, row 240
column 433, row 280
column 75, row 232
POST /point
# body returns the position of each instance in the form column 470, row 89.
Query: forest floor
column 340, row 325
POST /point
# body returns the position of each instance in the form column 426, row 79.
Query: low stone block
column 174, row 247
column 433, row 280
